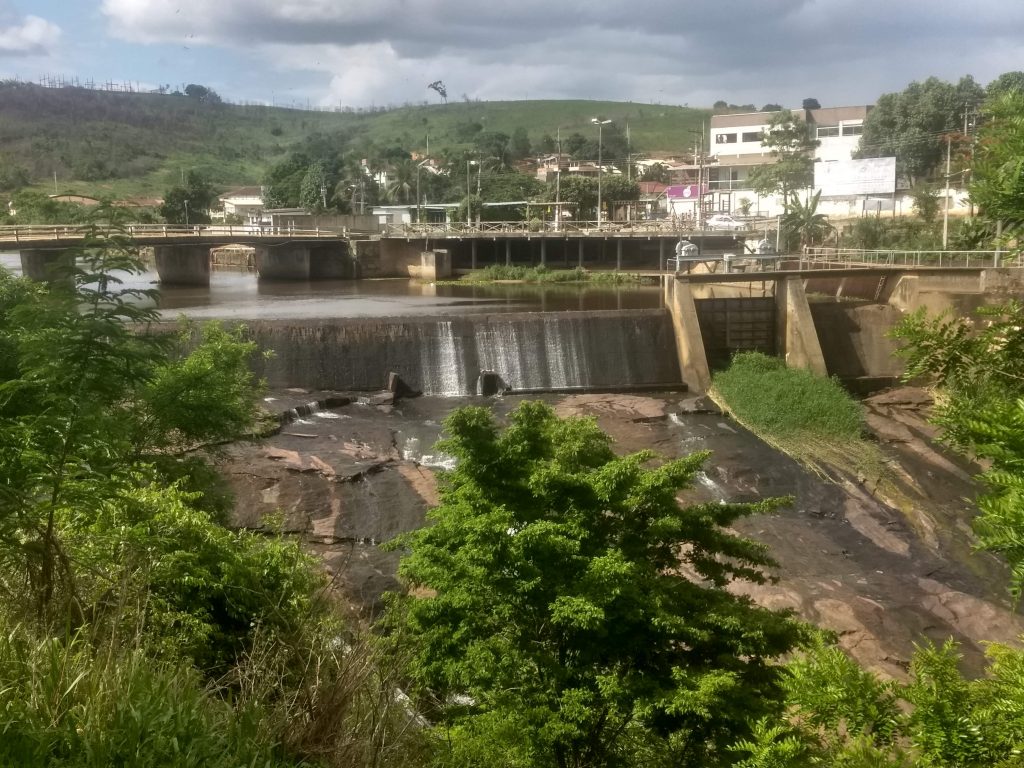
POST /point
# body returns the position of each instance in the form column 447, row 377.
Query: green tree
column 313, row 190
column 803, row 223
column 926, row 202
column 1005, row 83
column 38, row 208
column 997, row 180
column 911, row 124
column 790, row 142
column 189, row 203
column 547, row 144
column 570, row 612
column 401, row 186
column 581, row 190
column 12, row 176
column 282, row 184
column 494, row 149
column 811, row 103
column 509, row 186
column 92, row 407
column 978, row 362
column 202, row 94
column 656, row 172
column 520, row 144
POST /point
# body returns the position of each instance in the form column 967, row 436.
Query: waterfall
column 533, row 351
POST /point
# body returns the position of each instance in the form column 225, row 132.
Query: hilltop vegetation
column 138, row 144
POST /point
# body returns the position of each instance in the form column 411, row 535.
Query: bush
column 62, row 703
column 782, row 401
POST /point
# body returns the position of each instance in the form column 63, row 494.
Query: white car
column 723, row 221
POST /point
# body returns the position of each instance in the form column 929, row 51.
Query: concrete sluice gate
column 632, row 349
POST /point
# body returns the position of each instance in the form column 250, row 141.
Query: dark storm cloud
column 738, row 49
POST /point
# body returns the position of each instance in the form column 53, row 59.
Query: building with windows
column 735, row 150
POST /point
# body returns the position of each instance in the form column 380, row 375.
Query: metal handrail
column 550, row 228
column 853, row 257
column 30, row 232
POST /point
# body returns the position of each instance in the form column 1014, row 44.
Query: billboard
column 846, row 178
column 685, row 191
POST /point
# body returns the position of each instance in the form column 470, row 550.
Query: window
column 825, row 131
column 725, row 138
column 752, row 136
column 853, row 130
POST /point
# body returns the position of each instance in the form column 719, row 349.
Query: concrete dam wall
column 445, row 355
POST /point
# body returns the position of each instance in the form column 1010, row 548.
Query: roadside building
column 243, row 202
column 735, row 151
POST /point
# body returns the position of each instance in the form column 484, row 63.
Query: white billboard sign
column 871, row 176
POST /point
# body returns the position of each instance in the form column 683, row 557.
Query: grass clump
column 810, row 417
column 542, row 274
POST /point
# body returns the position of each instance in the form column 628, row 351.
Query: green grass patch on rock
column 523, row 274
column 810, row 417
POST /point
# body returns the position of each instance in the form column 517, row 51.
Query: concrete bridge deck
column 68, row 236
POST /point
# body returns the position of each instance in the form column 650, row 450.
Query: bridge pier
column 508, row 253
column 618, row 254
column 472, row 263
column 46, row 265
column 580, row 257
column 182, row 264
column 543, row 251
column 332, row 262
column 290, row 261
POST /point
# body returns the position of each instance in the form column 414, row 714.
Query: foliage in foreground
column 135, row 629
column 978, row 364
column 568, row 611
column 841, row 715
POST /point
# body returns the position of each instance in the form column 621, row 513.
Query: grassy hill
column 133, row 144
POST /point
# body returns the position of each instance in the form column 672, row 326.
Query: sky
column 363, row 53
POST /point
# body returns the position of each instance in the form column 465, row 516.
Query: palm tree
column 402, row 181
column 803, row 222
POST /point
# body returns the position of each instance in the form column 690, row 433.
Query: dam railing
column 848, row 258
column 32, row 232
column 574, row 228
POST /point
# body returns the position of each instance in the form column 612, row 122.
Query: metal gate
column 733, row 325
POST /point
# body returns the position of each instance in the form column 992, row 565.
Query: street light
column 419, row 207
column 600, row 166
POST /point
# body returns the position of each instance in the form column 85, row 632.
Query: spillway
column 444, row 355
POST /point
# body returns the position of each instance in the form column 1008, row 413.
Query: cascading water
column 535, row 351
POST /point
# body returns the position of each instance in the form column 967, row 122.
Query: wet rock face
column 882, row 577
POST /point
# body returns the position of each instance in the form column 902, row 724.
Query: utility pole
column 558, row 179
column 600, row 163
column 629, row 170
column 699, row 218
column 945, row 215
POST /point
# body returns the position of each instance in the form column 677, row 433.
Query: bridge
column 439, row 250
column 182, row 254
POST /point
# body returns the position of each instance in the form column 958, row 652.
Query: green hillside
column 133, row 144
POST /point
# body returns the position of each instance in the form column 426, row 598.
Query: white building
column 246, row 202
column 736, row 150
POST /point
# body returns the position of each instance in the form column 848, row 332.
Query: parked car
column 723, row 221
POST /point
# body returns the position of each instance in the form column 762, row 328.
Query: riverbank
column 347, row 479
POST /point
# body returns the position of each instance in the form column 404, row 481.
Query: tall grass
column 64, row 703
column 320, row 702
column 497, row 272
column 810, row 417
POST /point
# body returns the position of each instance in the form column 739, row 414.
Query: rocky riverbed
column 881, row 575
